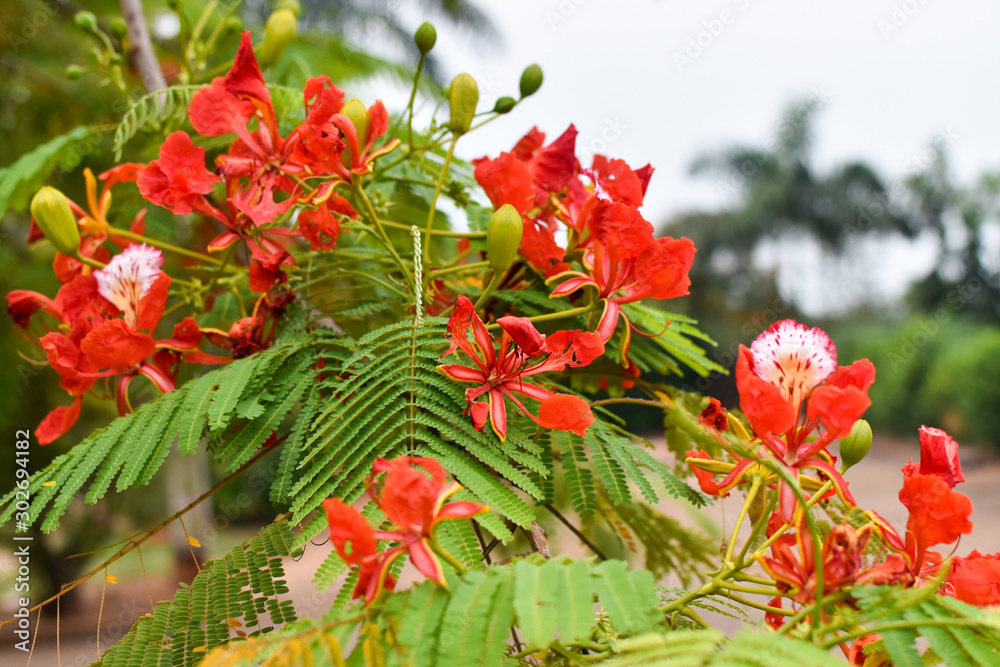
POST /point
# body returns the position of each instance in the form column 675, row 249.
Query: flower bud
column 855, row 445
column 503, row 237
column 118, row 28
column 355, row 110
column 425, row 38
column 291, row 5
column 504, row 104
column 279, row 31
column 462, row 97
column 531, row 80
column 233, row 25
column 74, row 72
column 52, row 214
column 86, row 20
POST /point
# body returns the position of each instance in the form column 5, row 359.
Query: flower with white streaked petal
column 128, row 277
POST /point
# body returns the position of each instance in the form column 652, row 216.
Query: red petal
column 837, row 408
column 461, row 509
column 617, row 179
column 565, row 412
column 22, row 304
column 152, row 303
column 506, row 180
column 58, row 422
column 349, row 529
column 116, row 347
column 939, row 456
column 215, row 111
column 427, row 562
column 938, row 515
column 765, row 406
column 524, row 333
column 976, row 579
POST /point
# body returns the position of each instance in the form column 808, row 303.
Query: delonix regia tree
column 434, row 395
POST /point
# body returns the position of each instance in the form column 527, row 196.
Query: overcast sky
column 662, row 81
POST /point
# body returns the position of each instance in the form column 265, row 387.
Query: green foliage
column 710, row 649
column 963, row 387
column 20, row 180
column 158, row 112
column 238, row 592
column 549, row 603
column 134, row 447
column 956, row 632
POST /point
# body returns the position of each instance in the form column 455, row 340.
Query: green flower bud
column 86, row 20
column 463, row 96
column 291, row 5
column 52, row 214
column 118, row 28
column 74, row 72
column 856, row 444
column 425, row 38
column 233, row 24
column 503, row 237
column 279, row 31
column 355, row 110
column 504, row 104
column 531, row 80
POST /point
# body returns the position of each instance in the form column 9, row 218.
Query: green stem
column 438, row 232
column 454, row 562
column 772, row 591
column 763, row 607
column 827, row 485
column 413, row 97
column 494, row 281
column 475, row 266
column 633, row 401
column 163, row 245
column 751, row 495
column 373, row 218
column 437, row 193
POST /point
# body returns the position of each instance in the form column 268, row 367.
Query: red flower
column 938, row 515
column 523, row 352
column 627, row 264
column 975, row 579
column 415, row 503
column 178, row 179
column 714, row 416
column 939, row 456
column 790, row 367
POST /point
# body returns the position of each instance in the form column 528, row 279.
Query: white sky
column 893, row 73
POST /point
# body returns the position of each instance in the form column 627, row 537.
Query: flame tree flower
column 415, row 502
column 790, row 386
column 523, row 352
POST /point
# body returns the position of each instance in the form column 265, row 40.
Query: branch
column 142, row 47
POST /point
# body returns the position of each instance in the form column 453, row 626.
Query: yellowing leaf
column 111, row 579
column 198, row 649
column 48, row 483
column 193, row 541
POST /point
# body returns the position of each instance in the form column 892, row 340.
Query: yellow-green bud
column 291, row 5
column 118, row 28
column 279, row 31
column 74, row 72
column 425, row 38
column 856, row 444
column 86, row 20
column 531, row 80
column 233, row 24
column 463, row 96
column 355, row 110
column 52, row 214
column 503, row 237
column 504, row 104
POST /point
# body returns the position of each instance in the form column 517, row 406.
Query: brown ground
column 874, row 483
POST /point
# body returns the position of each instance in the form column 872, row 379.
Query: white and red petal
column 794, row 358
column 128, row 277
